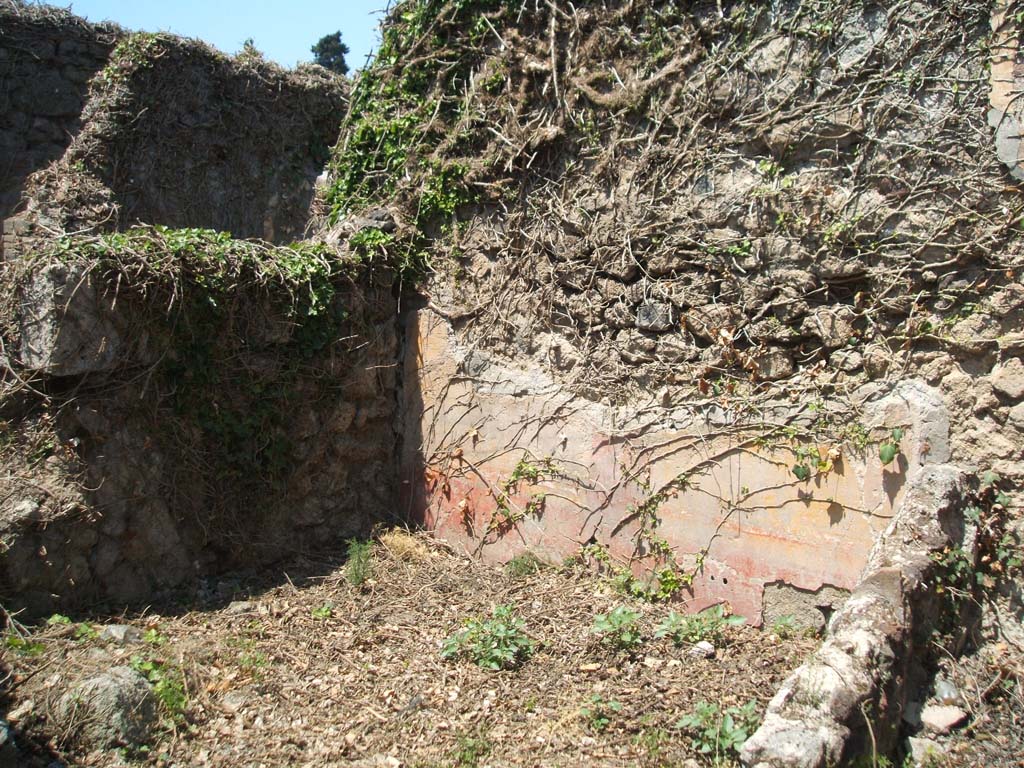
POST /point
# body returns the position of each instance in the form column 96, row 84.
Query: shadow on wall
column 413, row 463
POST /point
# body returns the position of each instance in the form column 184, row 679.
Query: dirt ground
column 315, row 671
column 320, row 672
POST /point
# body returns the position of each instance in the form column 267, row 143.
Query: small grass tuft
column 524, row 565
column 359, row 567
column 403, row 545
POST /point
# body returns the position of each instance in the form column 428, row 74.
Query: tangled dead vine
column 692, row 194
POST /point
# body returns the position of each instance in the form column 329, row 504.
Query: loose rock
column 1008, row 378
column 946, row 692
column 941, row 719
column 847, row 360
column 834, row 326
column 113, row 709
column 924, row 751
column 774, row 364
column 703, row 649
column 654, row 316
column 121, row 634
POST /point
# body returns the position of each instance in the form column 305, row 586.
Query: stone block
column 774, row 364
column 1008, row 378
column 833, row 325
column 49, row 94
column 654, row 316
column 64, row 329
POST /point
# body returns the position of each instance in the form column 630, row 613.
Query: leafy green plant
column 83, row 631
column 784, row 627
column 324, row 611
column 23, row 645
column 168, row 685
column 153, row 637
column 133, row 52
column 371, row 240
column 619, row 628
column 717, row 732
column 889, row 449
column 496, row 643
column 710, row 624
column 524, row 565
column 359, row 566
column 1000, row 550
column 444, row 190
column 86, row 632
column 961, row 573
column 809, row 460
column 470, row 750
column 599, row 713
column 506, row 516
column 665, row 582
column 770, row 169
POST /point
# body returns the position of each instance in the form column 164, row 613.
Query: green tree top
column 329, row 52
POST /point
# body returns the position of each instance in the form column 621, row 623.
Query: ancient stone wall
column 145, row 446
column 178, row 134
column 47, row 58
column 177, row 401
column 734, row 503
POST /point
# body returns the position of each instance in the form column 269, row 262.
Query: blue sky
column 283, row 31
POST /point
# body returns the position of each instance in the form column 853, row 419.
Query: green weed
column 785, row 627
column 324, row 611
column 710, row 624
column 168, row 685
column 497, row 643
column 23, row 645
column 471, row 750
column 83, row 631
column 152, row 636
column 889, row 449
column 652, row 741
column 359, row 566
column 720, row 733
column 619, row 628
column 524, row 565
column 599, row 713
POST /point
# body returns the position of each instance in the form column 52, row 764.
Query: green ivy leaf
column 887, row 452
column 801, row 472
